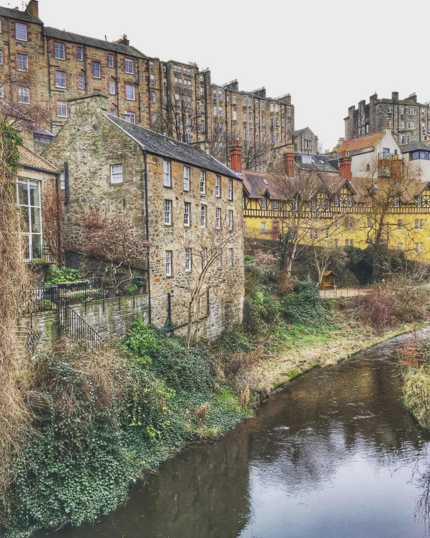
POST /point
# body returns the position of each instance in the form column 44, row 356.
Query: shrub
column 303, row 305
column 63, row 275
column 260, row 310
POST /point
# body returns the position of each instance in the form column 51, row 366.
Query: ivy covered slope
column 102, row 418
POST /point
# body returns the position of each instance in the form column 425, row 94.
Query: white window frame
column 21, row 65
column 80, row 54
column 112, row 87
column 127, row 63
column 116, row 174
column 96, row 69
column 230, row 256
column 168, row 204
column 1, row 57
column 187, row 174
column 169, row 262
column 152, row 79
column 62, row 109
column 188, row 260
column 130, row 92
column 111, row 60
column 218, row 186
column 187, row 214
column 31, row 209
column 130, row 116
column 21, row 31
column 230, row 190
column 59, row 51
column 218, row 218
column 230, row 219
column 167, row 174
column 202, row 182
column 81, row 82
column 203, row 215
column 24, row 95
column 263, row 228
column 60, row 81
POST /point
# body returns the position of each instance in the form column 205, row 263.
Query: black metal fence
column 52, row 297
column 75, row 327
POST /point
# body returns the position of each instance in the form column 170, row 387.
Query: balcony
column 385, row 156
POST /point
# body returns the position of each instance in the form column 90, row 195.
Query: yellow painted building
column 327, row 210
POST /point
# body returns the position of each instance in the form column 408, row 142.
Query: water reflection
column 333, row 455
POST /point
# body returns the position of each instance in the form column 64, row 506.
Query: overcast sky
column 328, row 55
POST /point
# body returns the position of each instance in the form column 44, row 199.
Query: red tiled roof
column 32, row 160
column 360, row 143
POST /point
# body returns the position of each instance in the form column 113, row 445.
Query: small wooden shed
column 328, row 280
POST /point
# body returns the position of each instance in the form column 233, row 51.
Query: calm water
column 333, row 455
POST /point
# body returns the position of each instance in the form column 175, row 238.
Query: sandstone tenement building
column 407, row 118
column 185, row 202
column 46, row 67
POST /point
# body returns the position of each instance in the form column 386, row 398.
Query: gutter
column 148, row 265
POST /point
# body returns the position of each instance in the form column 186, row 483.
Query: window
column 244, row 101
column 152, row 97
column 218, row 186
column 151, row 65
column 110, row 60
column 234, row 99
column 275, row 204
column 22, row 62
column 168, row 212
column 230, row 257
column 313, row 204
column 152, row 79
column 399, row 224
column 20, row 31
column 0, row 27
column 218, row 218
column 187, row 213
column 112, row 112
column 169, row 257
column 24, row 95
column 244, row 133
column 421, row 224
column 96, row 69
column 416, row 224
column 29, row 203
column 1, row 57
column 81, row 82
column 129, row 66
column 59, row 51
column 327, row 233
column 346, row 242
column 202, row 126
column 230, row 189
column 186, row 178
column 369, row 222
column 60, row 79
column 419, row 248
column 219, row 264
column 351, row 242
column 188, row 260
column 263, row 228
column 203, row 213
column 215, row 110
column 234, row 115
column 263, row 204
column 130, row 92
column 327, row 205
column 116, row 174
column 80, row 54
column 167, row 178
column 130, row 116
column 112, row 87
column 349, row 200
column 96, row 91
column 230, row 219
column 62, row 109
column 399, row 246
column 396, row 201
column 202, row 182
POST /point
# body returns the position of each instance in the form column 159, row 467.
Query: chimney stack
column 236, row 157
column 345, row 165
column 33, row 9
column 124, row 41
column 289, row 159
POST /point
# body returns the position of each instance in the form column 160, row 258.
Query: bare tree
column 324, row 257
column 115, row 240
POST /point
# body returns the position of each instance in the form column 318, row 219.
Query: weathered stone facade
column 407, row 119
column 305, row 141
column 91, row 142
column 174, row 98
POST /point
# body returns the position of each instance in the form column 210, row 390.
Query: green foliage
column 10, row 140
column 139, row 281
column 63, row 275
column 132, row 289
column 261, row 310
column 249, row 258
column 304, row 306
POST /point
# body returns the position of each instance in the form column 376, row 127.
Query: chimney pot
column 236, row 157
column 345, row 165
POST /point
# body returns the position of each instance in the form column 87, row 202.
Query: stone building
column 45, row 67
column 407, row 118
column 305, row 141
column 185, row 202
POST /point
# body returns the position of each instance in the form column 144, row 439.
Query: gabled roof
column 360, row 145
column 18, row 15
column 92, row 42
column 319, row 163
column 30, row 159
column 414, row 146
column 258, row 184
column 164, row 146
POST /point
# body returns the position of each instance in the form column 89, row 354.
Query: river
column 334, row 454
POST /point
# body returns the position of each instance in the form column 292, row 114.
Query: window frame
column 130, row 88
column 62, row 79
column 187, row 176
column 19, row 26
column 128, row 62
column 63, row 106
column 202, row 183
column 80, row 54
column 218, row 218
column 115, row 175
column 217, row 186
column 203, row 215
column 24, row 91
column 59, row 50
column 187, row 214
column 168, row 210
column 188, row 265
column 167, row 174
column 18, row 62
column 31, row 209
column 230, row 190
column 96, row 68
column 168, row 259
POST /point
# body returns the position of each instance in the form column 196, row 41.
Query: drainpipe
column 57, row 192
column 148, row 266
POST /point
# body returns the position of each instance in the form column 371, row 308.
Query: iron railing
column 76, row 328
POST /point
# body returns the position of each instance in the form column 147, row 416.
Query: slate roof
column 414, row 146
column 319, row 163
column 18, row 15
column 164, row 146
column 32, row 160
column 92, row 42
